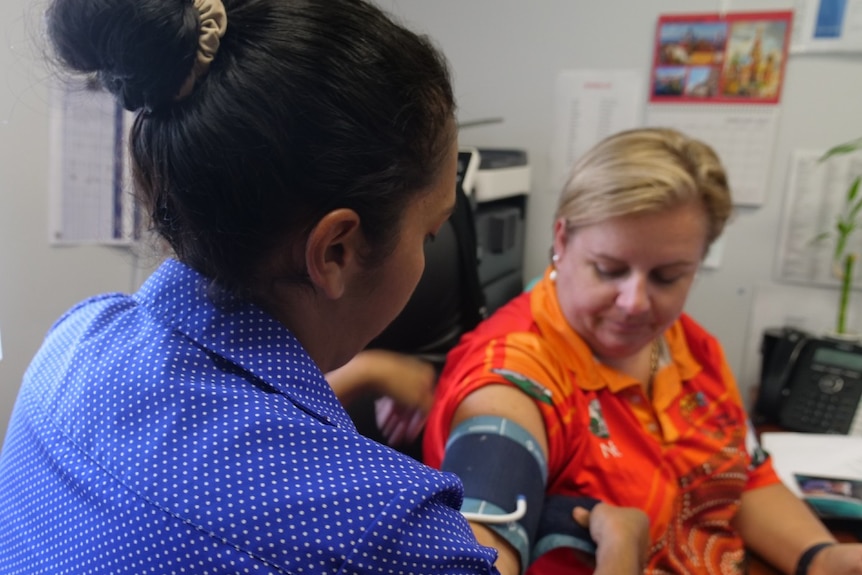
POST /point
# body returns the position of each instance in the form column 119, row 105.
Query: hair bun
column 142, row 50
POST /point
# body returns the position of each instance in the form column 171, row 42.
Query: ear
column 561, row 236
column 332, row 251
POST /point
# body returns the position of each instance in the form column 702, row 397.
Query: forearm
column 409, row 381
column 353, row 378
column 778, row 526
column 508, row 561
column 617, row 559
column 622, row 538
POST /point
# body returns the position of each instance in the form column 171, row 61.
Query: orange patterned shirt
column 684, row 457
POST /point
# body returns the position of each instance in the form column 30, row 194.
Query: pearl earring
column 554, row 259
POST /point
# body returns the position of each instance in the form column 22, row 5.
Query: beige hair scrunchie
column 213, row 27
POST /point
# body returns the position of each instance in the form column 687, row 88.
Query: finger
column 387, row 426
column 415, row 425
column 396, row 424
column 382, row 410
column 581, row 516
column 396, row 435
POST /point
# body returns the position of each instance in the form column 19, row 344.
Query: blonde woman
column 596, row 390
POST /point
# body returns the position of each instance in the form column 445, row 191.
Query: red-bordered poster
column 713, row 58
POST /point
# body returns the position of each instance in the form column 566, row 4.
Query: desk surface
column 756, row 565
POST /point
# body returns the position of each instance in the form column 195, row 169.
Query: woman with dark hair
column 295, row 155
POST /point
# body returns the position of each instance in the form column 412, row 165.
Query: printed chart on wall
column 90, row 201
column 815, row 197
column 718, row 78
column 591, row 105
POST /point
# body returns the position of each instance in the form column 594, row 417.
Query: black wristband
column 808, row 556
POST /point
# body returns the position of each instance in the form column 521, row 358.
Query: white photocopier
column 500, row 183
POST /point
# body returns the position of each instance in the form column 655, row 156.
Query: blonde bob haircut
column 641, row 171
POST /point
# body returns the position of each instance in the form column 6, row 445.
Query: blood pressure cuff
column 499, row 462
column 557, row 527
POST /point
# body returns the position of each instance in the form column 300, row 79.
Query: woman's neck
column 641, row 365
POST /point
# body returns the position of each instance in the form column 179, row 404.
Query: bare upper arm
column 512, row 404
column 507, row 402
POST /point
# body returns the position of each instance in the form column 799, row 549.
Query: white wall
column 37, row 282
column 505, row 55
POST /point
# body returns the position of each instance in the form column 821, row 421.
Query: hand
column 839, row 559
column 400, row 425
column 407, row 388
column 621, row 535
column 405, row 383
column 407, row 380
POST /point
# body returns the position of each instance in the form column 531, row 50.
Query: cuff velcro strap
column 557, row 527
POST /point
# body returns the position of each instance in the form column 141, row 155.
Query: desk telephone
column 810, row 384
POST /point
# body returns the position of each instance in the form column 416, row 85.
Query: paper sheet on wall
column 827, row 26
column 743, row 136
column 90, row 199
column 815, row 194
column 590, row 105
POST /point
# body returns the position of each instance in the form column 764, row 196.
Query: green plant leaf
column 840, row 244
column 843, row 263
column 840, row 149
column 820, row 237
column 854, row 211
column 846, row 287
column 852, row 192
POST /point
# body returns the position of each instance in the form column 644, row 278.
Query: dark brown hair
column 308, row 106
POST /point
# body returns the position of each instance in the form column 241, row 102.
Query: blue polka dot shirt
column 180, row 430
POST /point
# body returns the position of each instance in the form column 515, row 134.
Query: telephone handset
column 810, row 384
column 779, row 351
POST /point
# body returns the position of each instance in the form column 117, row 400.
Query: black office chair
column 447, row 303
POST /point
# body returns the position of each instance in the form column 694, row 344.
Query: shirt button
column 651, row 426
column 635, row 398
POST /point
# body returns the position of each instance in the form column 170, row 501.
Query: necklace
column 653, row 362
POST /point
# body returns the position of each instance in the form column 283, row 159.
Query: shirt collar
column 241, row 333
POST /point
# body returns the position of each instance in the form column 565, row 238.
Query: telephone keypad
column 827, row 405
column 809, row 383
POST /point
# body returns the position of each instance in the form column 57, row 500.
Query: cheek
column 671, row 303
column 408, row 274
column 589, row 298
